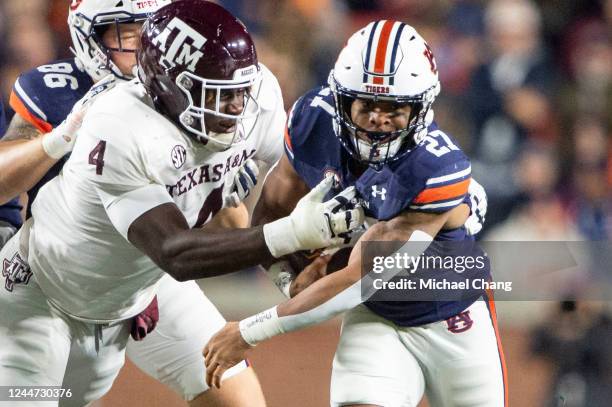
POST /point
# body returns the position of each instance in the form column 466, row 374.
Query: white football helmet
column 87, row 19
column 384, row 61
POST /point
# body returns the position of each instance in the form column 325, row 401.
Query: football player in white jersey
column 136, row 174
column 105, row 36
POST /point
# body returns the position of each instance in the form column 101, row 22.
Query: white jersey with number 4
column 127, row 160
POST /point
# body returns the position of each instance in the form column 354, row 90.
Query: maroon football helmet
column 194, row 50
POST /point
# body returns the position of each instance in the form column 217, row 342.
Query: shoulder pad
column 45, row 95
column 442, row 170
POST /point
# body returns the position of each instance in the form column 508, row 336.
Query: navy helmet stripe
column 398, row 35
column 369, row 51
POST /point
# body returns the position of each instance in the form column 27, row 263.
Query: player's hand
column 244, row 181
column 315, row 224
column 478, row 198
column 224, row 350
column 314, row 271
column 350, row 239
column 61, row 139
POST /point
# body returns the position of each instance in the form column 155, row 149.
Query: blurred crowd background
column 526, row 89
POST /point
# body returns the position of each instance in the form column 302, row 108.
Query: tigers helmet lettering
column 87, row 19
column 386, row 61
column 191, row 52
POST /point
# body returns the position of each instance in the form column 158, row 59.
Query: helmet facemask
column 97, row 59
column 204, row 98
column 377, row 148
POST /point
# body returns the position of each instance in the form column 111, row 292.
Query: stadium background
column 526, row 88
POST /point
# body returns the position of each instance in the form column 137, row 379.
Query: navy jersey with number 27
column 433, row 177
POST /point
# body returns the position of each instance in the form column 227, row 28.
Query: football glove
column 478, row 199
column 315, row 224
column 244, row 181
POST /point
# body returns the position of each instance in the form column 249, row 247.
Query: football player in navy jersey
column 105, row 35
column 373, row 128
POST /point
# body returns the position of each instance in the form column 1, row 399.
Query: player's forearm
column 22, row 164
column 320, row 293
column 229, row 218
column 335, row 293
column 321, row 301
column 195, row 253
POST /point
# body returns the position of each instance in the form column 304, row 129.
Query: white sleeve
column 113, row 159
column 123, row 209
column 270, row 147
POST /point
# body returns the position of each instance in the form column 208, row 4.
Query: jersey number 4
column 96, row 156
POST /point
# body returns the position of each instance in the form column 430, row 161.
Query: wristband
column 259, row 327
column 55, row 145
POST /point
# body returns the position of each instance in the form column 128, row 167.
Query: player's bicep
column 281, row 192
column 125, row 204
column 21, row 129
column 153, row 228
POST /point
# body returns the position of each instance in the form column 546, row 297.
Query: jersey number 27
column 439, row 143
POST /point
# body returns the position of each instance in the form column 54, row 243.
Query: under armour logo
column 460, row 322
column 382, row 192
column 16, row 271
column 180, row 51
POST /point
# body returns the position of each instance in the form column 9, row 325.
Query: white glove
column 314, row 224
column 478, row 198
column 350, row 240
column 59, row 141
column 244, row 181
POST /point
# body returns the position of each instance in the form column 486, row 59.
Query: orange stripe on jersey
column 500, row 349
column 381, row 50
column 442, row 193
column 20, row 108
column 288, row 139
